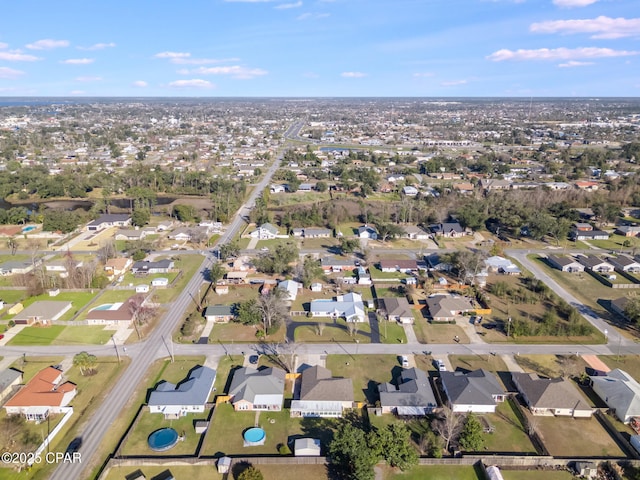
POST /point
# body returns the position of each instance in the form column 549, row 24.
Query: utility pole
column 509, row 328
column 116, row 347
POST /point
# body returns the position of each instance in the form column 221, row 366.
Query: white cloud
column 453, row 83
column 78, row 61
column 17, row 56
column 140, row 83
column 558, row 54
column 98, row 46
column 286, row 6
column 312, row 16
column 574, row 63
column 6, row 72
column 353, row 74
column 235, row 71
column 573, row 3
column 172, row 55
column 47, row 44
column 423, row 74
column 3, row 45
column 193, row 83
column 88, row 79
column 601, row 27
column 201, row 61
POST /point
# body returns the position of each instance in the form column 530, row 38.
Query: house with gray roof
column 478, row 391
column 624, row 263
column 595, row 264
column 620, row 391
column 396, row 309
column 565, row 264
column 253, row 389
column 446, row 308
column 551, row 396
column 317, row 233
column 322, row 395
column 109, row 220
column 14, row 267
column 266, row 231
column 189, row 396
column 146, row 267
column 10, row 379
column 412, row 396
column 44, row 312
column 218, row 313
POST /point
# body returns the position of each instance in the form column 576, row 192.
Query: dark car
column 253, row 359
column 75, row 445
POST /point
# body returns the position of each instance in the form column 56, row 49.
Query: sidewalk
column 510, row 362
column 411, row 335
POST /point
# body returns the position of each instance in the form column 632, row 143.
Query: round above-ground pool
column 163, row 439
column 254, row 436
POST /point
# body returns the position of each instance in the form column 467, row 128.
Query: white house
column 266, row 231
column 410, row 191
column 160, row 282
column 349, row 306
column 366, row 231
column 290, row 289
column 621, row 393
column 190, row 395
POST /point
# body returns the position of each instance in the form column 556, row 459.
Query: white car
column 404, row 360
column 441, row 366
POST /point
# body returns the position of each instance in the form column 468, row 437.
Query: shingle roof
column 414, row 390
column 194, row 390
column 317, row 384
column 248, row 382
column 549, row 392
column 8, row 376
column 473, row 388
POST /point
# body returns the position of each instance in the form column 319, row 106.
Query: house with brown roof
column 405, row 266
column 114, row 267
column 396, row 309
column 114, row 313
column 322, row 395
column 551, row 396
column 45, row 394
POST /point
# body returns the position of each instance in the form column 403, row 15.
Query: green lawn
column 285, row 472
column 85, row 334
column 377, row 274
column 333, row 332
column 392, row 332
column 492, row 363
column 78, row 300
column 130, row 279
column 189, row 265
column 225, row 365
column 12, row 296
column 190, row 472
column 148, row 423
column 237, row 332
column 536, row 475
column 29, row 366
column 37, row 335
column 177, row 370
column 366, row 371
column 436, row 472
column 628, row 363
column 509, row 434
column 437, row 332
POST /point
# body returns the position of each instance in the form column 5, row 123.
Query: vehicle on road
column 75, row 445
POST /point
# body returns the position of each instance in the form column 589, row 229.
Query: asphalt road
column 142, row 355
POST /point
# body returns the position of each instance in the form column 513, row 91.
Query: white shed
column 307, row 447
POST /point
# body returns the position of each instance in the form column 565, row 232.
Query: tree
column 632, row 309
column 471, row 438
column 277, row 261
column 311, row 269
column 393, row 444
column 227, row 250
column 140, row 217
column 251, row 473
column 272, row 309
column 85, row 362
column 349, row 453
column 348, row 245
column 388, row 231
column 216, row 272
column 447, row 424
column 247, row 312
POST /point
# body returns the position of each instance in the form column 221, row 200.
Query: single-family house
column 582, row 227
column 435, row 262
column 628, row 230
column 164, row 226
column 551, row 396
column 335, row 264
column 349, row 306
column 253, row 389
column 322, row 395
column 130, row 235
column 316, row 287
column 180, row 234
column 44, row 394
column 620, row 391
column 236, row 277
column 446, row 308
column 449, row 230
column 277, row 188
column 413, row 232
column 142, row 288
column 316, row 232
column 578, row 235
column 289, row 289
column 266, row 231
column 396, row 309
column 413, row 396
column 595, row 264
column 114, row 267
column 364, row 278
column 16, row 267
column 146, row 267
column 410, row 191
column 624, row 263
column 61, row 267
column 9, row 381
column 478, row 391
column 190, row 395
column 497, row 264
column 565, row 264
column 109, row 220
column 218, row 313
column 367, row 231
column 619, row 305
column 405, row 266
column 115, row 313
column 160, row 282
column 43, row 312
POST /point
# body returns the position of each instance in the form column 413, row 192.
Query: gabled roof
column 194, row 390
column 43, row 309
column 218, row 311
column 562, row 261
column 622, row 392
column 145, row 265
column 623, row 261
column 111, row 218
column 396, row 307
column 414, row 390
column 473, row 388
column 317, row 384
column 248, row 382
column 8, row 376
column 443, row 305
column 269, row 228
column 549, row 392
column 43, row 390
column 592, row 261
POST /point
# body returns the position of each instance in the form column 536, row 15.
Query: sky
column 320, row 48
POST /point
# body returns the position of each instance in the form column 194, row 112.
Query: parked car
column 404, row 361
column 253, row 359
column 440, row 365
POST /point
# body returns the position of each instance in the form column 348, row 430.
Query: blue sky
column 320, row 48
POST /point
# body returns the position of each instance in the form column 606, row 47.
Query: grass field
column 536, row 475
column 392, row 332
column 37, row 335
column 190, row 472
column 61, row 335
column 493, row 363
column 366, row 371
column 333, row 332
column 552, row 365
column 509, row 434
column 12, row 296
column 189, row 265
column 236, row 332
column 436, row 472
